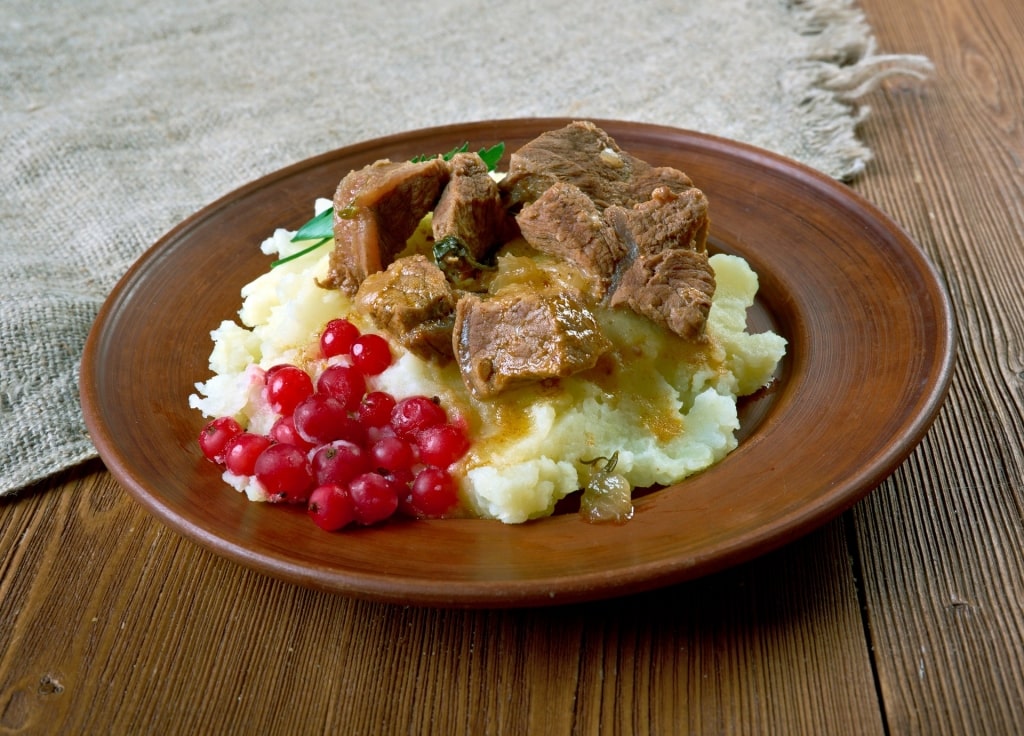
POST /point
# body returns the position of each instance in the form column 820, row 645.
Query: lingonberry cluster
column 350, row 454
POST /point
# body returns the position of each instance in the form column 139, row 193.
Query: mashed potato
column 665, row 405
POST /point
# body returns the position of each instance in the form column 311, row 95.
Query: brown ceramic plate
column 870, row 354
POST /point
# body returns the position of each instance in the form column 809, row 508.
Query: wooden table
column 905, row 615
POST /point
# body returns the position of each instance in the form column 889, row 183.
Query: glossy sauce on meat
column 632, row 235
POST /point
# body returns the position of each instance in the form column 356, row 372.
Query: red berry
column 442, row 444
column 433, row 492
column 287, row 387
column 375, row 409
column 339, row 462
column 320, row 419
column 392, row 453
column 337, row 337
column 401, row 481
column 374, row 498
column 242, row 451
column 343, row 382
column 284, row 432
column 371, row 354
column 330, row 507
column 285, row 473
column 214, row 437
column 414, row 414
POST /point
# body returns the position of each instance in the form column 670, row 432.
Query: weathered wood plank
column 941, row 541
column 114, row 624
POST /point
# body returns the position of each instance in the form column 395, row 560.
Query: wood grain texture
column 941, row 541
column 113, row 624
column 905, row 616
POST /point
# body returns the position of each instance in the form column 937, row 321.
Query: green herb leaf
column 453, row 258
column 492, row 155
column 458, row 149
column 300, row 253
column 321, row 226
column 446, row 156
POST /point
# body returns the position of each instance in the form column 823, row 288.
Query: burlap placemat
column 118, row 119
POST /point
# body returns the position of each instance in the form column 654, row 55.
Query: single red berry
column 273, row 369
column 392, row 453
column 371, row 354
column 414, row 414
column 242, row 451
column 214, row 437
column 285, row 473
column 374, row 498
column 345, row 383
column 375, row 409
column 442, row 444
column 434, row 492
column 320, row 419
column 339, row 462
column 287, row 387
column 330, row 507
column 337, row 337
column 401, row 481
column 284, row 432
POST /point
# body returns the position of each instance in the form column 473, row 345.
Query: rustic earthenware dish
column 870, row 357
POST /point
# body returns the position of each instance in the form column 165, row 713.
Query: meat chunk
column 412, row 301
column 580, row 153
column 470, row 207
column 672, row 288
column 649, row 178
column 521, row 335
column 585, row 200
column 586, row 156
column 666, row 220
column 376, row 210
column 565, row 222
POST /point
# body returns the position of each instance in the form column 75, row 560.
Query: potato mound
column 667, row 406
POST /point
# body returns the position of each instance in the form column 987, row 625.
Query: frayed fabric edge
column 843, row 66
